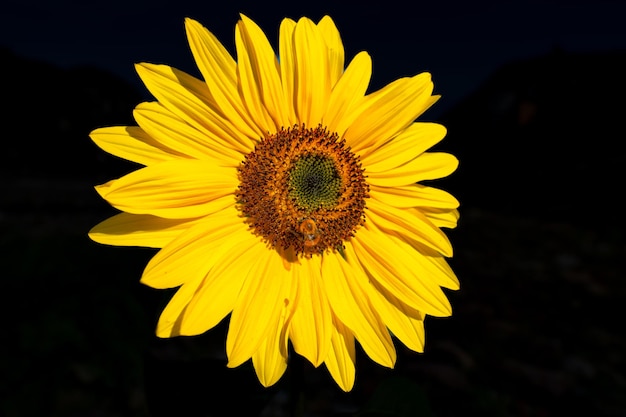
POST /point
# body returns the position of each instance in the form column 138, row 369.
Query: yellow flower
column 283, row 195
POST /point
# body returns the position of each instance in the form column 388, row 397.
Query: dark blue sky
column 460, row 42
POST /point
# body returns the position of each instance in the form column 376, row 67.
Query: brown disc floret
column 302, row 189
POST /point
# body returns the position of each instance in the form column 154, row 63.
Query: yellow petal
column 258, row 307
column 351, row 305
column 406, row 146
column 384, row 262
column 259, row 72
column 172, row 315
column 411, row 223
column 406, row 323
column 442, row 217
column 177, row 189
column 139, row 230
column 427, row 166
column 312, row 88
column 334, row 45
column 219, row 70
column 195, row 251
column 341, row 358
column 223, row 284
column 430, row 266
column 249, row 84
column 288, row 67
column 133, row 144
column 414, row 195
column 427, row 262
column 311, row 324
column 269, row 365
column 347, row 93
column 173, row 133
column 389, row 110
column 190, row 100
column 270, row 360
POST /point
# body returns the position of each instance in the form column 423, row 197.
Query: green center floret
column 314, row 182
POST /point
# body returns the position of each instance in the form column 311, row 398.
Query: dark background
column 532, row 95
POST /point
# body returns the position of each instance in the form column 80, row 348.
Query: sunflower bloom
column 283, row 196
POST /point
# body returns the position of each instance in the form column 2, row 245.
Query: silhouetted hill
column 544, row 137
column 49, row 112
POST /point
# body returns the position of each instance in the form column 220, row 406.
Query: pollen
column 303, row 189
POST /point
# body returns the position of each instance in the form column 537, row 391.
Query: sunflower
column 283, row 196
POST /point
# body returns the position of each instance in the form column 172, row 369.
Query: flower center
column 314, row 182
column 302, row 189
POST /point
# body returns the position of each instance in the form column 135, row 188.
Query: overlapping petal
column 287, row 65
column 195, row 251
column 406, row 323
column 270, row 359
column 311, row 325
column 219, row 70
column 414, row 195
column 389, row 110
column 175, row 189
column 406, row 146
column 351, row 305
column 171, row 132
column 347, row 93
column 412, row 224
column 145, row 230
column 171, row 318
column 190, row 100
column 341, row 357
column 260, row 75
column 312, row 79
column 442, row 217
column 427, row 166
column 334, row 46
column 133, row 144
column 250, row 86
column 258, row 307
column 216, row 298
column 383, row 262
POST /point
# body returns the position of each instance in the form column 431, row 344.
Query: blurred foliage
column 397, row 397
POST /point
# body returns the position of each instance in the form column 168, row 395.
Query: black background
column 532, row 95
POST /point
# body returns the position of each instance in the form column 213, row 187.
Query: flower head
column 284, row 196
